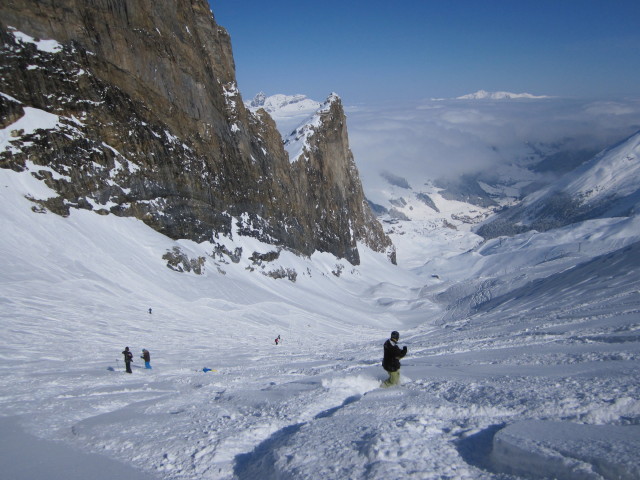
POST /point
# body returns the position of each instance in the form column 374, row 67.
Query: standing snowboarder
column 146, row 356
column 128, row 358
column 391, row 361
column 277, row 339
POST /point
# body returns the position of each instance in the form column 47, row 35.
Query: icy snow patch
column 32, row 120
column 49, row 46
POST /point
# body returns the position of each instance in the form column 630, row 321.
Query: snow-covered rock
column 288, row 111
column 282, row 104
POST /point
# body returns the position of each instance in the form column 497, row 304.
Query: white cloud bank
column 448, row 138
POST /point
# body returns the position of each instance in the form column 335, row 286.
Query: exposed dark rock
column 180, row 262
column 377, row 209
column 395, row 180
column 282, row 272
column 465, row 189
column 259, row 258
column 398, row 215
column 398, row 202
column 427, row 200
column 151, row 125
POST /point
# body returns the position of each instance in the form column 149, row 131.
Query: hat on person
column 395, row 336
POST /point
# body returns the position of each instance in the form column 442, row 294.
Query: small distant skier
column 391, row 361
column 277, row 339
column 149, row 311
column 128, row 358
column 146, row 356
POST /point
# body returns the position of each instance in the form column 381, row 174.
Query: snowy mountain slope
column 297, row 117
column 508, row 149
column 556, row 342
column 282, row 104
column 298, row 140
column 606, row 186
column 434, row 170
column 288, row 111
column 501, row 266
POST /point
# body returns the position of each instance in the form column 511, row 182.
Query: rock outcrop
column 146, row 121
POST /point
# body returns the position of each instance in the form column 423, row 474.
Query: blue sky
column 401, row 50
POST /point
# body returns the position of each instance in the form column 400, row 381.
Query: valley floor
column 312, row 408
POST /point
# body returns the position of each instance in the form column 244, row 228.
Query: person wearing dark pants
column 391, row 360
column 128, row 358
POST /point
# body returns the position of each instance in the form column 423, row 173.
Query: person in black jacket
column 391, row 361
column 128, row 358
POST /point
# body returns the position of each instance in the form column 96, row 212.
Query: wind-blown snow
column 523, row 348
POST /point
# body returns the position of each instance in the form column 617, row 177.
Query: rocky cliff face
column 145, row 120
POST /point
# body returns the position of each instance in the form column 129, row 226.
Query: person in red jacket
column 391, row 361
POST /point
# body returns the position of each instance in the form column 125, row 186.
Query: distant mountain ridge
column 280, row 103
column 484, row 95
column 606, row 186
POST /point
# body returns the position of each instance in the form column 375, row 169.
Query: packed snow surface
column 523, row 354
column 562, row 349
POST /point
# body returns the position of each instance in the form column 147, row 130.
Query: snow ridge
column 282, row 104
column 298, row 140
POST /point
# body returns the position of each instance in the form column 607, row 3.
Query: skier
column 128, row 358
column 391, row 360
column 150, row 311
column 146, row 356
column 278, row 340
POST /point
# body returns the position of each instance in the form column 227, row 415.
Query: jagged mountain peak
column 144, row 119
column 298, row 141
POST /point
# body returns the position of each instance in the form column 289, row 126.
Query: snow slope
column 606, row 186
column 521, row 348
column 288, row 111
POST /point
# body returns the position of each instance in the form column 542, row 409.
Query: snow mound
column 355, row 385
column 565, row 450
